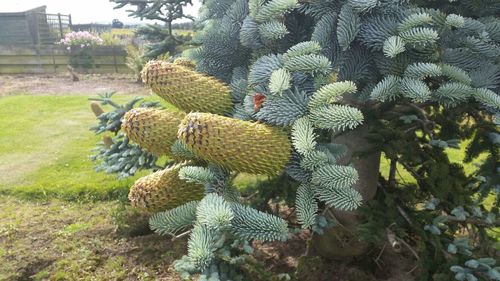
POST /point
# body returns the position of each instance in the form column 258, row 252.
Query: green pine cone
column 186, row 89
column 163, row 190
column 235, row 144
column 153, row 129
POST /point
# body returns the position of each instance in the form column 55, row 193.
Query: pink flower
column 81, row 38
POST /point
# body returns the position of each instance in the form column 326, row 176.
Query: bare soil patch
column 62, row 84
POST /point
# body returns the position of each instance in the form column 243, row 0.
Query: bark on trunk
column 341, row 241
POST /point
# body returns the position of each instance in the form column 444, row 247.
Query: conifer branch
column 427, row 125
column 474, row 221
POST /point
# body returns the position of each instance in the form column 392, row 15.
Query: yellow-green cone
column 235, row 144
column 185, row 62
column 153, row 129
column 187, row 89
column 96, row 108
column 163, row 190
column 107, row 140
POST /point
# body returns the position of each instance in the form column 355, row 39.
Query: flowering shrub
column 80, row 39
column 78, row 44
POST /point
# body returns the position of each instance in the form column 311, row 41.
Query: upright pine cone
column 187, row 89
column 96, row 108
column 235, row 144
column 185, row 62
column 163, row 190
column 153, row 129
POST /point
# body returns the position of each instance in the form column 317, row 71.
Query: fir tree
column 415, row 75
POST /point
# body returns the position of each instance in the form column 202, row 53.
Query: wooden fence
column 45, row 59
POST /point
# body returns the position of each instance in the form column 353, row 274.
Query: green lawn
column 45, row 145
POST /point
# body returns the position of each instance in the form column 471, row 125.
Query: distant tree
column 161, row 37
column 117, row 23
column 163, row 10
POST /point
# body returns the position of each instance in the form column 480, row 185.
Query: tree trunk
column 169, row 24
column 341, row 241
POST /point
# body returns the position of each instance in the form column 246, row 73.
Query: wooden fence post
column 114, row 59
column 53, row 59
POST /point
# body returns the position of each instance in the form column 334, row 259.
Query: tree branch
column 474, row 221
column 392, row 173
column 427, row 125
column 411, row 171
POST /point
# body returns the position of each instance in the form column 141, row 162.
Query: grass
column 60, row 240
column 45, row 147
column 183, row 32
column 123, row 31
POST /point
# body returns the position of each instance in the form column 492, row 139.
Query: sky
column 82, row 11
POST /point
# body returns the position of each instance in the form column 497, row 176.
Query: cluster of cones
column 202, row 126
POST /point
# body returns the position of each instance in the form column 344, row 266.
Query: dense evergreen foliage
column 421, row 77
